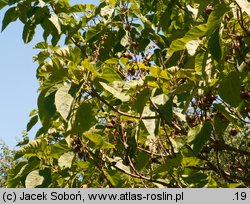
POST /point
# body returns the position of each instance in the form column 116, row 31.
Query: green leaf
column 55, row 21
column 165, row 105
column 59, row 148
column 110, row 75
column 3, row 3
column 214, row 19
column 25, row 168
column 63, row 101
column 49, row 101
column 193, row 34
column 152, row 125
column 12, row 180
column 98, row 140
column 41, row 45
column 214, row 44
column 198, row 136
column 11, row 15
column 85, row 118
column 116, row 93
column 229, row 89
column 190, row 161
column 33, row 112
column 119, row 164
column 32, row 122
column 141, row 100
column 234, row 185
column 44, row 116
column 78, row 8
column 92, row 32
column 29, row 31
column 195, row 179
column 89, row 66
column 141, row 160
column 83, row 164
column 226, row 114
column 31, row 148
column 107, row 11
column 65, row 161
column 114, row 177
column 33, row 179
column 169, row 164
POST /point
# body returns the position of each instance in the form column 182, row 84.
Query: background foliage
column 137, row 93
column 6, row 162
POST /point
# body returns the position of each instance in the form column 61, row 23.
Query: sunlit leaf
column 193, row 34
column 65, row 161
column 107, row 11
column 32, row 148
column 116, row 93
column 152, row 125
column 192, row 46
column 63, row 101
column 110, row 75
column 55, row 21
column 98, row 140
column 34, row 179
column 78, row 8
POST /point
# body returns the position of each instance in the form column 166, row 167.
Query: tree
column 6, row 162
column 137, row 93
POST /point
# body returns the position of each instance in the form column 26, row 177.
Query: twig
column 80, row 47
column 240, row 19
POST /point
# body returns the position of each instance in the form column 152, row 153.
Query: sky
column 18, row 84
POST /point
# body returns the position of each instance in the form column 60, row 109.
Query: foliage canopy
column 137, row 93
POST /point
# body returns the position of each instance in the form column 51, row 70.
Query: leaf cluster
column 137, row 93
